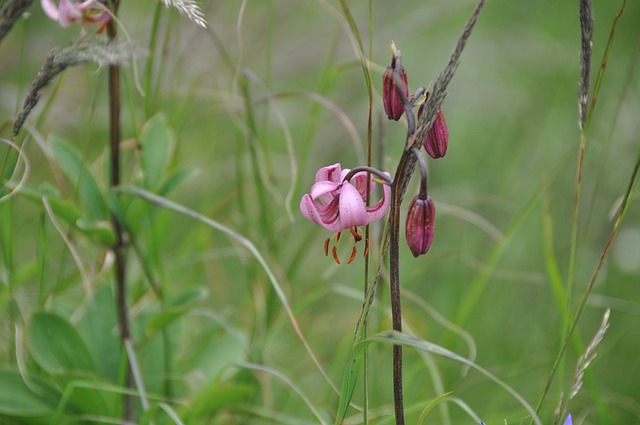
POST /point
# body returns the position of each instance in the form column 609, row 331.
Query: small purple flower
column 568, row 421
column 338, row 205
column 69, row 12
column 437, row 139
column 393, row 105
column 420, row 224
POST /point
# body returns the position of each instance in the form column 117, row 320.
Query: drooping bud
column 420, row 224
column 393, row 105
column 437, row 138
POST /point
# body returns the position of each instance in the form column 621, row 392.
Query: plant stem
column 119, row 248
column 396, row 310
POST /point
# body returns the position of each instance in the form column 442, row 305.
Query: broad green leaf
column 157, row 141
column 56, row 346
column 38, row 399
column 72, row 166
column 98, row 324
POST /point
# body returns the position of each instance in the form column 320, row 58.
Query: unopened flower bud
column 419, row 225
column 437, row 138
column 393, row 105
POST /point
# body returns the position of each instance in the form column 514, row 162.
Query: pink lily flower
column 69, row 12
column 338, row 205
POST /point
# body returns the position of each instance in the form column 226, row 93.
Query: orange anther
column 326, row 247
column 354, row 251
column 335, row 255
column 366, row 248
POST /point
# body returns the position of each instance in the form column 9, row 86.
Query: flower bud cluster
column 419, row 226
column 395, row 94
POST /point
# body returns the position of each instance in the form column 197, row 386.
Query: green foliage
column 157, row 142
column 236, row 314
column 80, row 177
column 56, row 346
column 29, row 399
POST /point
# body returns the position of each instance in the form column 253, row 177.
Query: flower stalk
column 119, row 247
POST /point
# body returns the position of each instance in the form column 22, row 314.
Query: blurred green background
column 257, row 103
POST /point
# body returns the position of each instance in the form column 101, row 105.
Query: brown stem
column 396, row 311
column 119, row 248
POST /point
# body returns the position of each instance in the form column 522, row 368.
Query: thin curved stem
column 382, row 176
column 423, row 171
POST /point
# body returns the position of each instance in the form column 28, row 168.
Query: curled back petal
column 377, row 211
column 326, row 216
column 50, row 9
column 325, row 191
column 68, row 13
column 330, row 173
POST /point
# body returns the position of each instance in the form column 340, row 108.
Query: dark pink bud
column 393, row 105
column 419, row 225
column 437, row 138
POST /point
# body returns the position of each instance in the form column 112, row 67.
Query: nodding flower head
column 395, row 72
column 338, row 204
column 69, row 12
column 420, row 224
column 437, row 138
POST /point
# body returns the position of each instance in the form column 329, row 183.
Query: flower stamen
column 356, row 236
column 354, row 251
column 335, row 254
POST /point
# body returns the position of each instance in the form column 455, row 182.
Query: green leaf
column 62, row 208
column 98, row 324
column 349, row 380
column 100, row 230
column 157, row 141
column 175, row 310
column 175, row 179
column 215, row 396
column 38, row 399
column 429, row 407
column 88, row 395
column 56, row 346
column 70, row 162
